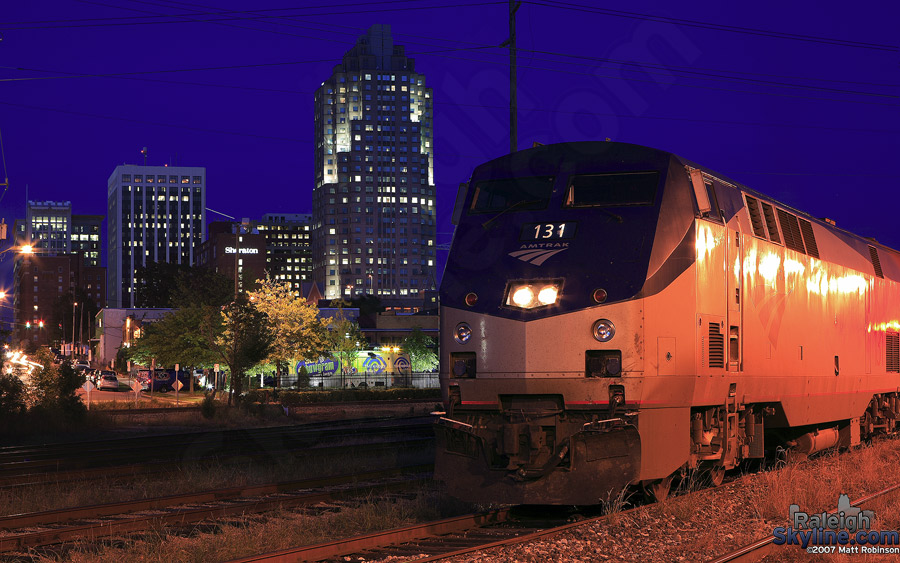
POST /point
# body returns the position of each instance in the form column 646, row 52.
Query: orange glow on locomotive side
column 705, row 242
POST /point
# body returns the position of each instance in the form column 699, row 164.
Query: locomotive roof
column 631, row 151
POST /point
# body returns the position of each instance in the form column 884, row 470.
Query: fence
column 353, row 381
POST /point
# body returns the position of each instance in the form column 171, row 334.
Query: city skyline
column 798, row 107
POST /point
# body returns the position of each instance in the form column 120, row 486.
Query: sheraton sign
column 233, row 250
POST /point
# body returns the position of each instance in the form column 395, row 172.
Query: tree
column 181, row 337
column 345, row 339
column 296, row 328
column 156, row 282
column 420, row 348
column 369, row 307
column 13, row 394
column 53, row 387
column 240, row 337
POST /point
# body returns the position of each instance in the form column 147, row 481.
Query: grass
column 757, row 502
column 191, row 478
column 275, row 531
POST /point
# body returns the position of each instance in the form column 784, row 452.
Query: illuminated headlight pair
column 528, row 295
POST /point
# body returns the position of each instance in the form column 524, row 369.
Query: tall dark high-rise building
column 374, row 194
column 155, row 213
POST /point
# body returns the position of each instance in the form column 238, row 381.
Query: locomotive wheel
column 658, row 490
column 716, row 475
column 711, row 475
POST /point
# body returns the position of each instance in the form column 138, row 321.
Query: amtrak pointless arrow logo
column 537, row 254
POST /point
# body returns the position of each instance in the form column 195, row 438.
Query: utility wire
column 443, row 53
column 714, row 26
column 266, row 13
column 701, row 74
column 458, row 104
column 146, row 122
column 26, row 26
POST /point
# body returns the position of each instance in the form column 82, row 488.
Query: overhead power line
column 153, row 19
column 13, row 26
column 714, row 26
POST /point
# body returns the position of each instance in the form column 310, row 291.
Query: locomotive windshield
column 612, row 190
column 513, row 194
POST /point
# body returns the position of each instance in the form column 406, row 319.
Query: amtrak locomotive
column 615, row 315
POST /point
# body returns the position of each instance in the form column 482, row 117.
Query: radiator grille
column 771, row 225
column 791, row 231
column 892, row 360
column 716, row 346
column 809, row 238
column 755, row 217
column 876, row 262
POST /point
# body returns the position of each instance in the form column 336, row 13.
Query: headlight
column 463, row 333
column 604, row 330
column 531, row 294
column 547, row 294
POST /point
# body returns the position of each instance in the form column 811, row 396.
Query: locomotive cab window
column 612, row 190
column 511, row 194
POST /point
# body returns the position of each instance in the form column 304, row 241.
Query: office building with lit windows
column 48, row 226
column 288, row 247
column 85, row 238
column 235, row 250
column 65, row 260
column 155, row 214
column 374, row 194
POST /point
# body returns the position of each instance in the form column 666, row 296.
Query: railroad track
column 401, row 447
column 92, row 522
column 431, row 541
column 765, row 546
column 168, row 410
column 26, row 464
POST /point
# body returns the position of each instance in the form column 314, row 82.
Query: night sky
column 796, row 100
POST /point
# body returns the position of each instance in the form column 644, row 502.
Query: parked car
column 108, row 380
column 164, row 380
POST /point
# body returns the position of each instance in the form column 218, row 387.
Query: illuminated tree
column 420, row 348
column 345, row 340
column 297, row 331
column 240, row 338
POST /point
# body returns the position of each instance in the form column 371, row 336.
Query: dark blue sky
column 797, row 100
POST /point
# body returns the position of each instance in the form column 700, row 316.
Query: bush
column 208, row 407
column 13, row 396
column 295, row 398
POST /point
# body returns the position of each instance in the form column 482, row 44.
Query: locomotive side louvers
column 716, row 346
column 892, row 352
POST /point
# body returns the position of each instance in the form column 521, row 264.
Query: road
column 124, row 393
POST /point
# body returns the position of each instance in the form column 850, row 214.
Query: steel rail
column 12, row 453
column 18, row 542
column 75, row 457
column 352, row 424
column 164, row 410
column 765, row 546
column 28, row 479
column 397, row 535
column 66, row 514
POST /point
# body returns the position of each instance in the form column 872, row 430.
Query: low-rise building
column 120, row 327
